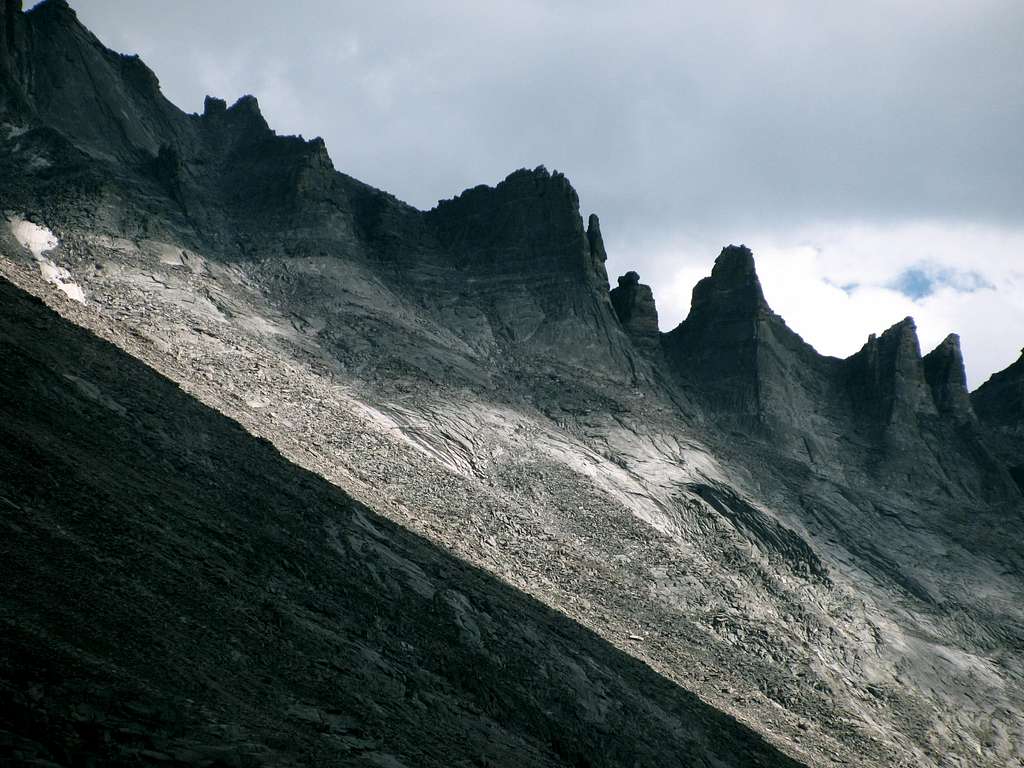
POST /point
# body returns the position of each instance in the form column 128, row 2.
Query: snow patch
column 61, row 278
column 37, row 239
column 40, row 240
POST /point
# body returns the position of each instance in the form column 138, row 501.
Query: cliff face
column 539, row 275
column 944, row 371
column 1000, row 400
column 635, row 308
column 999, row 403
column 12, row 51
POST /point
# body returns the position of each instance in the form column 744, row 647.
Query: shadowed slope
column 176, row 592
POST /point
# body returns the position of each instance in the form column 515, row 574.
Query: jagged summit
column 945, row 373
column 213, row 106
column 733, row 287
column 735, row 264
column 748, row 367
column 1000, row 400
column 733, row 349
column 887, row 377
column 50, row 6
column 530, row 222
column 243, row 116
column 634, row 306
column 999, row 404
column 536, row 182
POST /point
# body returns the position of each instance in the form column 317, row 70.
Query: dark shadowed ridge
column 999, row 403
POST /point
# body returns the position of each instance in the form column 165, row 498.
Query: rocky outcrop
column 539, row 276
column 738, row 356
column 999, row 404
column 944, row 371
column 106, row 103
column 715, row 347
column 634, row 306
column 527, row 223
column 886, row 377
column 1000, row 400
column 598, row 255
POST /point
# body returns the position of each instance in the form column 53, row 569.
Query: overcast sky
column 870, row 153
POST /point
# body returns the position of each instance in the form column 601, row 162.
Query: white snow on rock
column 40, row 240
column 37, row 239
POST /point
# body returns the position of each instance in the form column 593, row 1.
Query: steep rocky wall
column 946, row 376
column 999, row 403
column 635, row 308
column 535, row 270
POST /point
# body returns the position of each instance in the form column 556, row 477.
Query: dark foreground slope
column 175, row 593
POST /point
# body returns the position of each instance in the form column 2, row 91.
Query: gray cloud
column 684, row 125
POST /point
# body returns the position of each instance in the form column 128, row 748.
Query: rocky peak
column 54, row 13
column 243, row 117
column 886, row 377
column 634, row 305
column 247, row 107
column 1000, row 400
column 594, row 239
column 595, row 246
column 538, row 273
column 528, row 222
column 214, row 107
column 945, row 374
column 718, row 347
column 733, row 289
column 107, row 104
column 55, row 7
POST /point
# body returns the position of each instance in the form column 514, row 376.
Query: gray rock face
column 739, row 357
column 944, row 371
column 634, row 306
column 526, row 236
column 1000, row 400
column 887, row 379
column 999, row 403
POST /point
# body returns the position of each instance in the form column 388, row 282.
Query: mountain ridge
column 827, row 549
